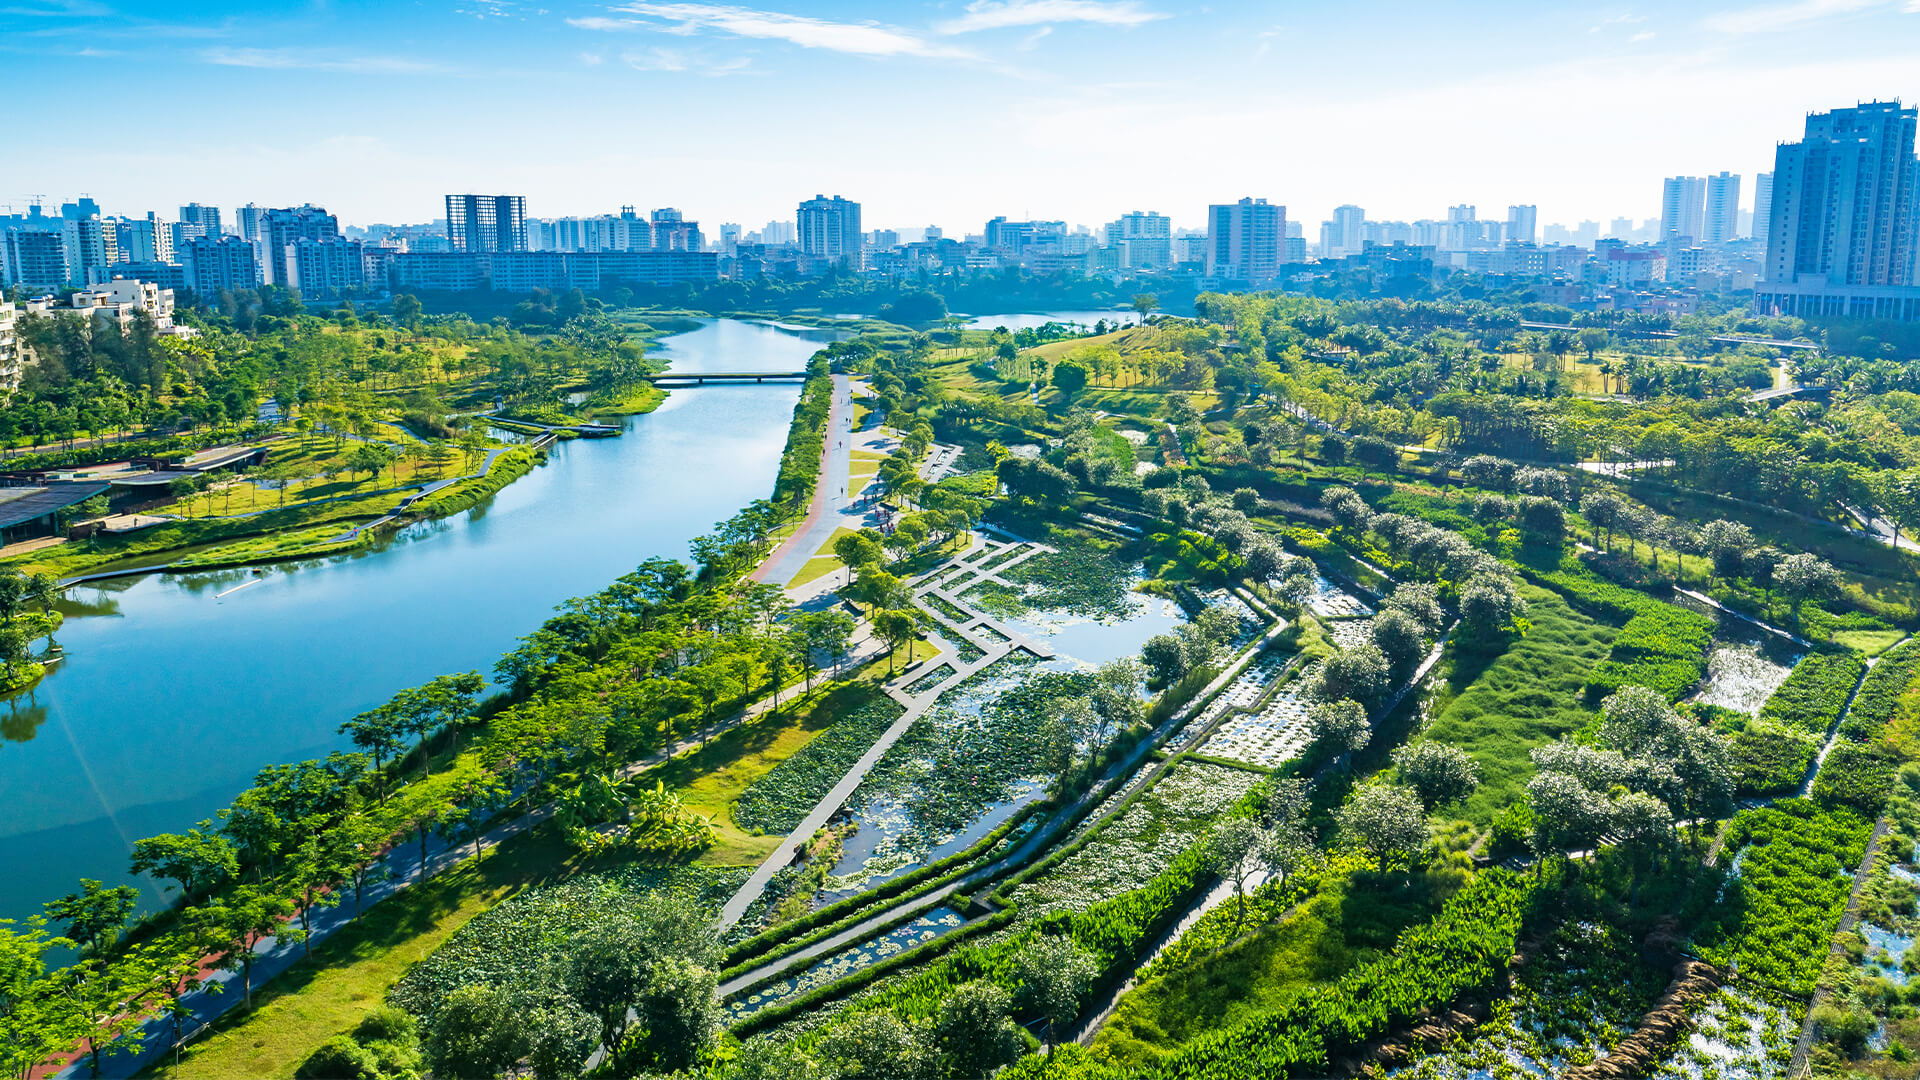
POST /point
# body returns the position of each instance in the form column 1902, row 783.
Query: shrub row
column 1813, row 695
column 806, row 438
column 1768, row 761
column 1879, row 696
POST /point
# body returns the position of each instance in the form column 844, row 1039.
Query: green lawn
column 351, row 971
column 1350, row 923
column 1499, row 708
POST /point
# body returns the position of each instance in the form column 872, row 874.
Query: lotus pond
column 1738, row 1035
column 1573, row 1002
column 1745, row 667
column 1136, row 846
column 919, row 931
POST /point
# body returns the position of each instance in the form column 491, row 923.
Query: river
column 173, row 696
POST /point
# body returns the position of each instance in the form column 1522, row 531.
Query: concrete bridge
column 698, row 378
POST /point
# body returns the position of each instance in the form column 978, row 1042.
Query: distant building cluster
column 1833, row 229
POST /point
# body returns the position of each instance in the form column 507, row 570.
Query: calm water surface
column 1031, row 321
column 173, row 696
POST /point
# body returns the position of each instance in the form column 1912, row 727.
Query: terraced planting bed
column 1138, row 843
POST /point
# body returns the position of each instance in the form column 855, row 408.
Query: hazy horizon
column 935, row 113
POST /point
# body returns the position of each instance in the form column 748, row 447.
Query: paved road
column 824, row 513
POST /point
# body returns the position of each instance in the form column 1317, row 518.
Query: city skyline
column 1055, row 101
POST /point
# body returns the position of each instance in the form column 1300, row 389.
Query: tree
column 680, row 1014
column 618, row 966
column 1069, row 377
column 1116, row 696
column 1053, row 975
column 1438, row 772
column 1339, row 727
column 1566, row 815
column 423, row 710
column 896, row 627
column 378, row 732
column 1805, row 577
column 244, row 918
column 827, row 632
column 1166, row 659
column 1421, row 602
column 858, row 551
column 1593, row 339
column 974, row 1032
column 1400, row 638
column 1604, row 511
column 1145, row 304
column 1542, row 518
column 95, row 915
column 1385, row 819
column 1238, row 849
column 476, row 1033
column 197, row 860
column 1359, row 673
column 1726, row 544
column 1489, row 605
column 875, row 1045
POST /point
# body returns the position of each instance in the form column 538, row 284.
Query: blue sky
column 942, row 113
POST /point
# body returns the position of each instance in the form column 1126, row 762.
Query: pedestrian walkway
column 396, row 871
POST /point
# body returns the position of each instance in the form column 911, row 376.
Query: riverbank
column 301, row 531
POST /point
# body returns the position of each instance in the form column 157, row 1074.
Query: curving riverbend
column 172, row 695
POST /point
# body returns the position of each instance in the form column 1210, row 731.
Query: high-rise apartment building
column 204, row 218
column 90, row 243
column 147, row 240
column 1762, row 205
column 487, row 223
column 829, row 228
column 1243, row 239
column 283, row 228
column 1683, row 208
column 1346, row 234
column 1146, row 238
column 1522, row 222
column 1842, row 202
column 252, row 222
column 33, row 259
column 672, row 232
column 220, row 264
column 1723, row 209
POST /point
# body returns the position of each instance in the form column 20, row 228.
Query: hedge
column 1769, row 761
column 1813, row 695
column 1879, row 696
column 1855, row 775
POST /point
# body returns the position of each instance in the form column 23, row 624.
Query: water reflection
column 162, row 712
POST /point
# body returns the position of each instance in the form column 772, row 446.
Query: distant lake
column 1027, row 321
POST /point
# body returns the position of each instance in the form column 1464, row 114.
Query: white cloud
column 1034, row 39
column 860, row 39
column 999, row 14
column 660, row 59
column 591, row 59
column 1644, row 35
column 1772, row 17
column 289, row 59
column 1616, row 20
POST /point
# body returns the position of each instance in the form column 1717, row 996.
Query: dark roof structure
column 38, row 502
